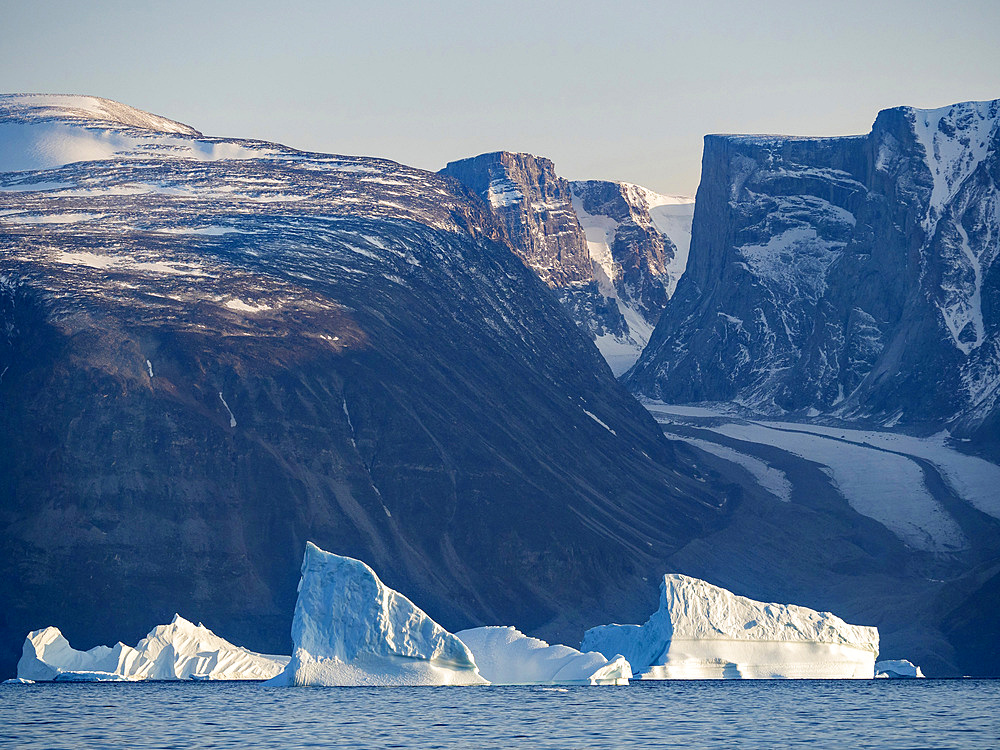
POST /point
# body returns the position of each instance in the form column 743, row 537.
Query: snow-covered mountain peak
column 45, row 131
column 955, row 139
column 653, row 199
column 90, row 109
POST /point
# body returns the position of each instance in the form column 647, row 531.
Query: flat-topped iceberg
column 702, row 631
column 505, row 656
column 178, row 651
column 351, row 629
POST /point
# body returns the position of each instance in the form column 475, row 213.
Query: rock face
column 505, row 656
column 851, row 276
column 350, row 629
column 178, row 651
column 612, row 252
column 535, row 207
column 702, row 631
column 212, row 350
column 638, row 242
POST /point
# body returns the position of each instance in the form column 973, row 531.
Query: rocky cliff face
column 854, row 277
column 612, row 252
column 534, row 205
column 638, row 243
column 214, row 350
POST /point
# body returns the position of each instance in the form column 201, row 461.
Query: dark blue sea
column 731, row 714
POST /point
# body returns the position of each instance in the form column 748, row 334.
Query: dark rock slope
column 852, row 277
column 214, row 350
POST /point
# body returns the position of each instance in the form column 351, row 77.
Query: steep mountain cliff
column 612, row 252
column 853, row 277
column 213, row 350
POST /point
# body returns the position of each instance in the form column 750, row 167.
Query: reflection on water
column 872, row 713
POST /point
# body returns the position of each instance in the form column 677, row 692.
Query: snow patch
column 955, row 140
column 596, row 419
column 241, row 306
column 232, row 419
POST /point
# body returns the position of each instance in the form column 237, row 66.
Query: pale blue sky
column 616, row 90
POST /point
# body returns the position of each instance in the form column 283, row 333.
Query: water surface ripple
column 800, row 713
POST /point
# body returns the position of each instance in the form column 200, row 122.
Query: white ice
column 178, row 651
column 30, row 146
column 701, row 631
column 896, row 668
column 351, row 629
column 874, row 471
column 671, row 216
column 505, row 656
column 954, row 151
column 771, row 479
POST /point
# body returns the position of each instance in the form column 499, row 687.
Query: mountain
column 611, row 251
column 840, row 311
column 851, row 277
column 216, row 349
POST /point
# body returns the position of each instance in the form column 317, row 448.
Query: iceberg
column 351, row 629
column 178, row 651
column 701, row 631
column 897, row 668
column 505, row 656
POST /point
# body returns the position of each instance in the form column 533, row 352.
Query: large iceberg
column 351, row 629
column 702, row 631
column 178, row 651
column 505, row 656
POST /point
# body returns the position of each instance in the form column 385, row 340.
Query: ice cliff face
column 853, row 276
column 701, row 631
column 612, row 252
column 178, row 651
column 214, row 349
column 350, row 629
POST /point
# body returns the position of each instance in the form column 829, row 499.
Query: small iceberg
column 897, row 669
column 17, row 681
column 505, row 656
column 351, row 629
column 177, row 651
column 703, row 631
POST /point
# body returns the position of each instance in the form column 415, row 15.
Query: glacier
column 505, row 656
column 178, row 651
column 351, row 629
column 701, row 631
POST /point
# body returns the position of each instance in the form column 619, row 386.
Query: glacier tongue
column 505, row 656
column 703, row 631
column 351, row 629
column 178, row 651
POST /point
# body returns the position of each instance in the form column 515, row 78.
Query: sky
column 608, row 90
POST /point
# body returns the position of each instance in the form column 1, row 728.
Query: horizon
column 625, row 95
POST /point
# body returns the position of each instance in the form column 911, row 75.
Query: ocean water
column 731, row 714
